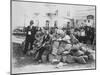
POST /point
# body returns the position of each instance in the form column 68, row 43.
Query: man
column 45, row 47
column 47, row 25
column 30, row 36
column 68, row 27
column 82, row 37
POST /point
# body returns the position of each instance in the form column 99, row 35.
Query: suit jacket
column 30, row 32
column 46, row 38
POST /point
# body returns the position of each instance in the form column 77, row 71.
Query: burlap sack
column 60, row 50
column 68, row 59
column 51, row 57
column 92, row 56
column 54, row 58
column 80, row 59
column 68, row 47
column 44, row 58
column 55, row 47
column 78, row 53
column 76, row 46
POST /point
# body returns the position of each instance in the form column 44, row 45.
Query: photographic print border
column 47, row 3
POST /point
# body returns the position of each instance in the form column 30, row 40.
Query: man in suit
column 45, row 49
column 30, row 36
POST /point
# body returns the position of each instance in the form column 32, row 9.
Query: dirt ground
column 25, row 64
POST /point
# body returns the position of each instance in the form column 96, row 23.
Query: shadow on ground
column 19, row 59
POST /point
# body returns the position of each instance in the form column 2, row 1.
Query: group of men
column 33, row 40
column 58, row 43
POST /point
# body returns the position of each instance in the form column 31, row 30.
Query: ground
column 25, row 64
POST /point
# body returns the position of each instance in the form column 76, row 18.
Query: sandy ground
column 25, row 64
column 48, row 67
column 33, row 67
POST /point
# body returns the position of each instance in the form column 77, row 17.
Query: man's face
column 31, row 24
column 47, row 23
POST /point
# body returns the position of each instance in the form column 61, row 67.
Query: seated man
column 45, row 47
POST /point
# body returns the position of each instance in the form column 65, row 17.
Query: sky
column 23, row 12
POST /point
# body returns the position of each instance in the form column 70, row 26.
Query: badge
column 29, row 32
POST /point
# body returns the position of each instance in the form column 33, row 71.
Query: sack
column 76, row 46
column 68, row 59
column 58, row 57
column 54, row 51
column 60, row 50
column 60, row 65
column 68, row 47
column 44, row 58
column 78, row 53
column 92, row 56
column 55, row 44
column 80, row 60
column 51, row 57
column 54, row 59
column 55, row 47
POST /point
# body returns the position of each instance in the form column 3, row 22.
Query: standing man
column 30, row 36
column 68, row 27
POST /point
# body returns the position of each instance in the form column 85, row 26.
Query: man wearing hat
column 30, row 36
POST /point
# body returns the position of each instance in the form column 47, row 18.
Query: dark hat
column 31, row 22
column 47, row 21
